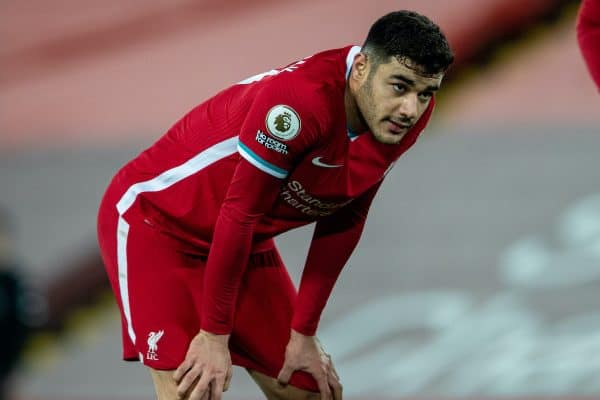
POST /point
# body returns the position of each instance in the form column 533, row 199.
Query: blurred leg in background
column 13, row 309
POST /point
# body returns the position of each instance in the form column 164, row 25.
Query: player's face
column 392, row 97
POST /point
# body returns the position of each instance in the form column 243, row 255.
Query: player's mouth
column 398, row 127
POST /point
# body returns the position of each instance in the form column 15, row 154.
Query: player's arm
column 588, row 36
column 252, row 191
column 334, row 239
column 251, row 194
column 267, row 156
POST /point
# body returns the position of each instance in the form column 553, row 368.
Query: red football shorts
column 159, row 292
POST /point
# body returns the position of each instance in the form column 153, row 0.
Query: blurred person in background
column 13, row 310
column 186, row 228
column 588, row 36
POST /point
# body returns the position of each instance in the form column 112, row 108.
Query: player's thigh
column 160, row 296
column 166, row 387
column 274, row 391
column 164, row 384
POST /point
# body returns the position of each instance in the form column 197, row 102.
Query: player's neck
column 354, row 120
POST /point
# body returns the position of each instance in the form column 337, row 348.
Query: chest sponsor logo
column 317, row 161
column 283, row 122
column 271, row 143
column 295, row 195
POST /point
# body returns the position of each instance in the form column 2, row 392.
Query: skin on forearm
column 221, row 339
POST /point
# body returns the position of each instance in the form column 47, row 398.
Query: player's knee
column 164, row 384
column 290, row 392
column 274, row 391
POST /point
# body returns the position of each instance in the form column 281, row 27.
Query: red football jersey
column 289, row 123
column 588, row 35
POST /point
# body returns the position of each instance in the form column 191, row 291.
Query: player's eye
column 399, row 88
column 424, row 96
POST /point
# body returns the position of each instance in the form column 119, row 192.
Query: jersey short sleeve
column 281, row 125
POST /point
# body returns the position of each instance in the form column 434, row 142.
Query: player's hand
column 206, row 371
column 305, row 353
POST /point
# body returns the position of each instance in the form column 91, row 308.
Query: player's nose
column 407, row 107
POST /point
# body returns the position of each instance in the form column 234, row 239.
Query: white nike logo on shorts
column 317, row 161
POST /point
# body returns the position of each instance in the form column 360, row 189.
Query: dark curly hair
column 409, row 35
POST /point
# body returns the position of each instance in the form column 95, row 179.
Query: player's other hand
column 305, row 353
column 206, row 369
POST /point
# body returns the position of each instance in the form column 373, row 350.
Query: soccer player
column 186, row 228
column 588, row 36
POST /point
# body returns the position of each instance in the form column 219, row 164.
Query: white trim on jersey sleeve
column 176, row 174
column 261, row 164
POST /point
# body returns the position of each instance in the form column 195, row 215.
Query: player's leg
column 262, row 327
column 152, row 282
column 274, row 391
column 164, row 384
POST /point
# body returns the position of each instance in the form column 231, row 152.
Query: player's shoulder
column 590, row 9
column 319, row 76
column 314, row 85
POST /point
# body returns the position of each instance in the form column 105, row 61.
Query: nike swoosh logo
column 317, row 161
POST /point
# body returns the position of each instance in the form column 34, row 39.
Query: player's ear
column 360, row 67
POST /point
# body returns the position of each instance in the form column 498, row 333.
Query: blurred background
column 479, row 271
